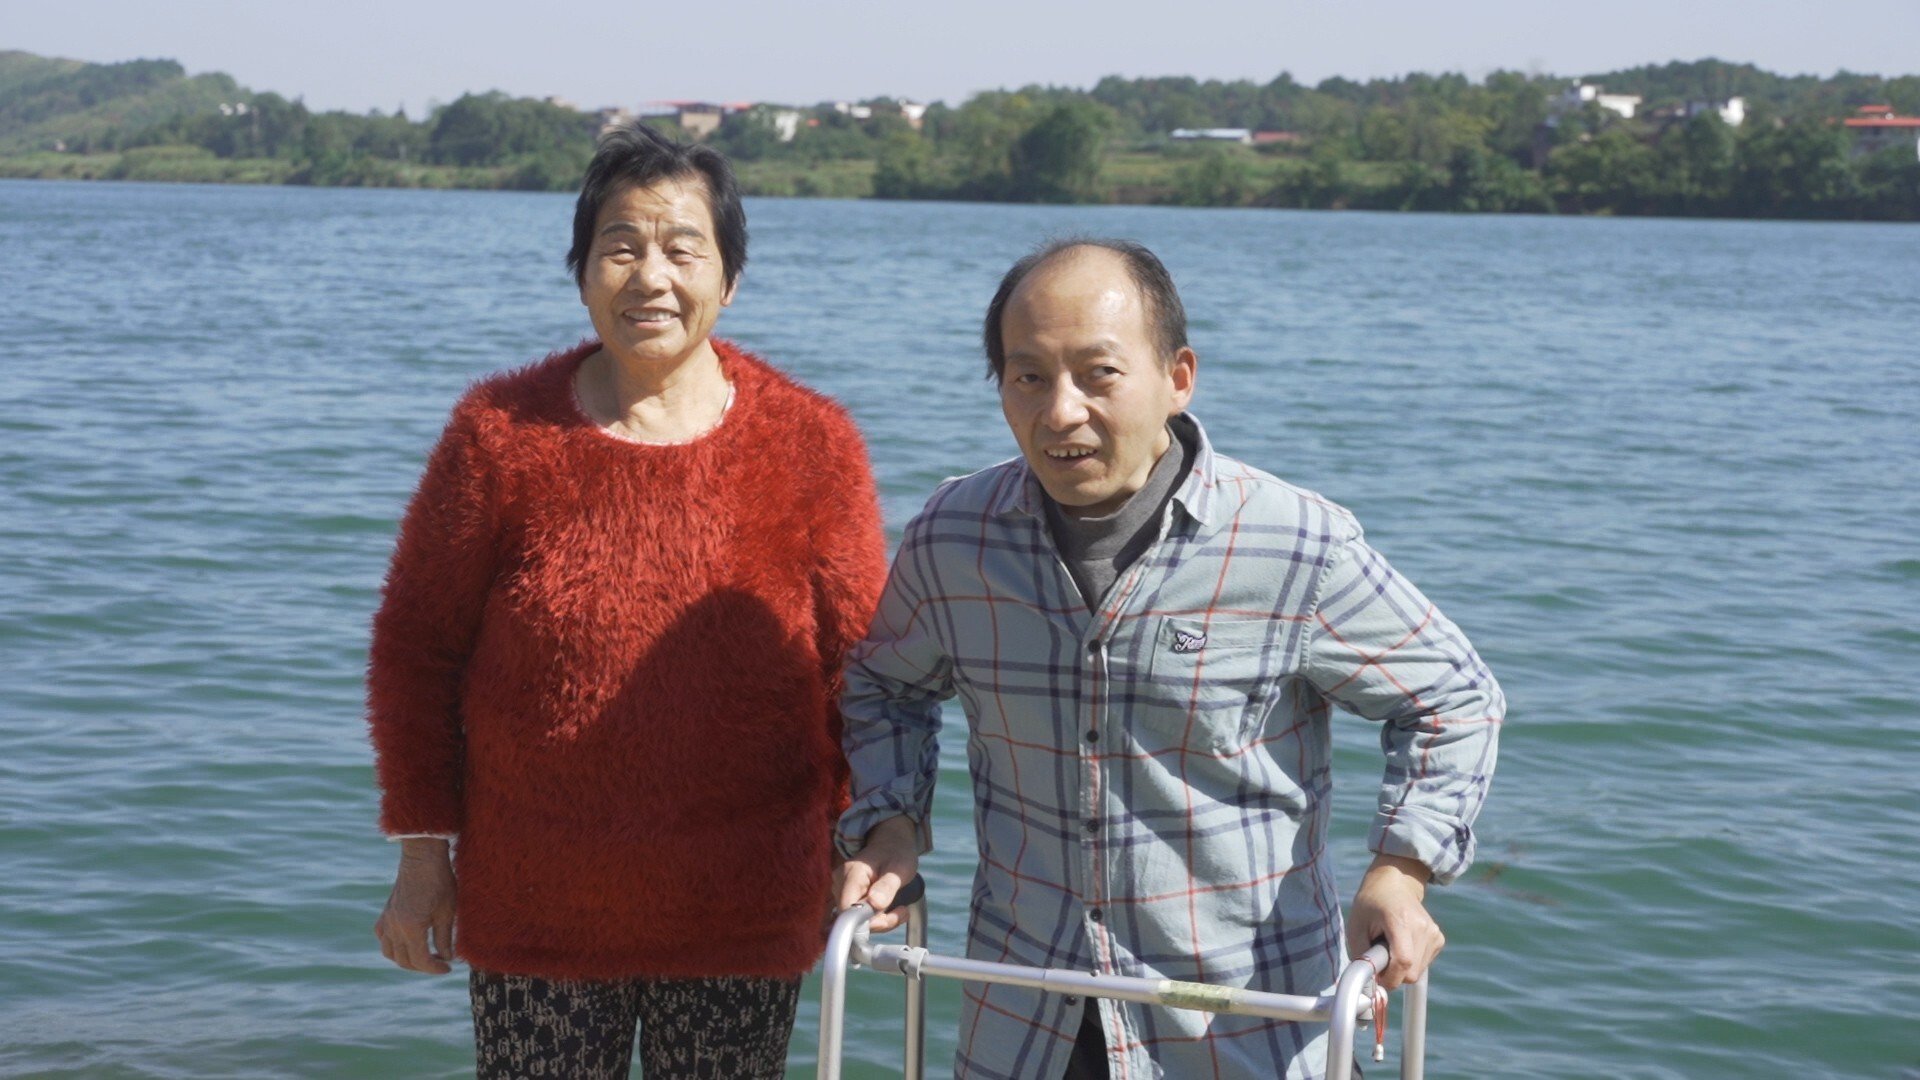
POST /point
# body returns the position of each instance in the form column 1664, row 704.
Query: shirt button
column 1095, row 914
column 1093, row 825
column 1093, row 735
column 1073, row 999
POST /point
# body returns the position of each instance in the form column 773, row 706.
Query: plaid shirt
column 1151, row 780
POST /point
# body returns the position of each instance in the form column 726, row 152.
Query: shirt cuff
column 858, row 821
column 1443, row 844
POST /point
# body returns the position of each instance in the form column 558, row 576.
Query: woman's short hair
column 637, row 155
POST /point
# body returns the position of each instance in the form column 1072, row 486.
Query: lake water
column 1666, row 474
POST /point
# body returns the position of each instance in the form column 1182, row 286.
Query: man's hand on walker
column 1391, row 904
column 886, row 862
column 421, row 902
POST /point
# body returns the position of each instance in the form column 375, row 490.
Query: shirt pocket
column 1203, row 679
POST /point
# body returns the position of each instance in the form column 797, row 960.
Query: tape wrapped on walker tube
column 1188, row 995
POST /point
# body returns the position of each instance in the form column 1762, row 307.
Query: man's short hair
column 636, row 155
column 1159, row 300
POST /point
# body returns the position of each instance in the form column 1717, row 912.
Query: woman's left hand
column 421, row 903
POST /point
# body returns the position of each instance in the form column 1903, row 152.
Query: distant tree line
column 42, row 94
column 151, row 103
column 1438, row 143
column 1419, row 142
column 544, row 146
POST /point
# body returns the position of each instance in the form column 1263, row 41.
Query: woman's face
column 653, row 283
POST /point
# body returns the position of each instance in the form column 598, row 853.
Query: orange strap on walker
column 1379, row 1016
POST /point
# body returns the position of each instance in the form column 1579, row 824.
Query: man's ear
column 1183, row 370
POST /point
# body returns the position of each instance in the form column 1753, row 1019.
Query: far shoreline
column 748, row 191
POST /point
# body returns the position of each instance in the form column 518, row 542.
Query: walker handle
column 909, row 893
column 1376, row 955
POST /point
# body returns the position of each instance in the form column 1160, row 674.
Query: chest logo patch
column 1185, row 641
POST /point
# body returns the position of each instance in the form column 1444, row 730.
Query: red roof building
column 1877, row 127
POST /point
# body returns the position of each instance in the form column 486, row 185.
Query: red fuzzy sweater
column 611, row 668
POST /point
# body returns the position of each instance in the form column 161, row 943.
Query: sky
column 359, row 55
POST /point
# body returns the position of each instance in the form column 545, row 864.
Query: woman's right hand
column 420, row 904
column 884, row 864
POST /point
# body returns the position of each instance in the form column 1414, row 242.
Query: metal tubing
column 896, row 959
column 916, row 1063
column 833, row 986
column 1413, row 1029
column 1355, row 985
column 849, row 945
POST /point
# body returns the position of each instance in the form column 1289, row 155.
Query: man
column 1147, row 637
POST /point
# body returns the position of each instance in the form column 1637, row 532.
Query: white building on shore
column 1243, row 136
column 1573, row 97
column 1733, row 110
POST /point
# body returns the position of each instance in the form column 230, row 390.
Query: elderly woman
column 603, row 670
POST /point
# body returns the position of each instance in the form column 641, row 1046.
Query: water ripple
column 1663, row 472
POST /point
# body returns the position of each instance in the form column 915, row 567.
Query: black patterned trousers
column 731, row 1028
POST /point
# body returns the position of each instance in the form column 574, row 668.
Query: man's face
column 1083, row 391
column 653, row 282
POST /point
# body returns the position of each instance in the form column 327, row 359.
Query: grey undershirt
column 1097, row 550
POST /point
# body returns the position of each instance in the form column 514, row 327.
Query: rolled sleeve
column 890, row 708
column 1382, row 650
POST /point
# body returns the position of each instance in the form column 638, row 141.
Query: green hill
column 46, row 102
column 21, row 68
